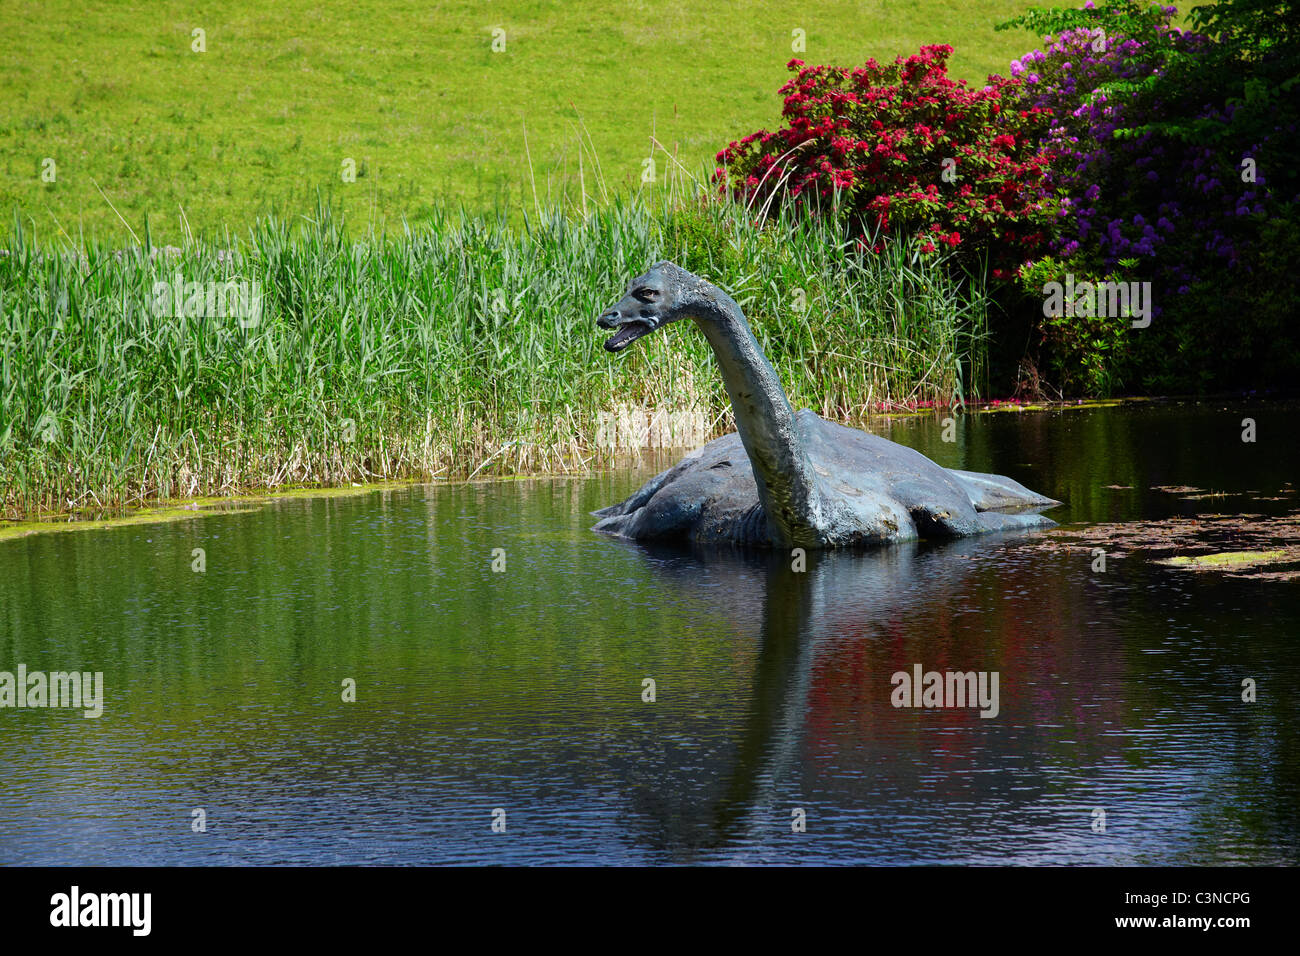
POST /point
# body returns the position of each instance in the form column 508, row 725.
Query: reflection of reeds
column 466, row 346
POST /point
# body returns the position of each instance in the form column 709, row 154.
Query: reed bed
column 466, row 347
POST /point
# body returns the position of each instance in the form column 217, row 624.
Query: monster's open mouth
column 626, row 335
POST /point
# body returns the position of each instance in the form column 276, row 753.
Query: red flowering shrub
column 903, row 148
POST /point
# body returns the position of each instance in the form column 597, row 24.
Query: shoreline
column 163, row 511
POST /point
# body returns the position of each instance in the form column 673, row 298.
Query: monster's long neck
column 782, row 469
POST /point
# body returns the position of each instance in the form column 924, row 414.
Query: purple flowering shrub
column 1145, row 204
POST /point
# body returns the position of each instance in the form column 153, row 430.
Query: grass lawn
column 412, row 93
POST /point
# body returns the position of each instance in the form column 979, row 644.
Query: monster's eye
column 646, row 295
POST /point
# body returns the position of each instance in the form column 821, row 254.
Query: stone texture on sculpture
column 786, row 480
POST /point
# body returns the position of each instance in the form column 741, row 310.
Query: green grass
column 464, row 346
column 412, row 92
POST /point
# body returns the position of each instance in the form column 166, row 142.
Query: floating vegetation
column 1232, row 559
column 1235, row 545
column 1188, row 493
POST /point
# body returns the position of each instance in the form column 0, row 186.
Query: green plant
column 1084, row 343
column 465, row 346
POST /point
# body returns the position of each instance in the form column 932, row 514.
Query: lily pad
column 1241, row 545
column 1232, row 559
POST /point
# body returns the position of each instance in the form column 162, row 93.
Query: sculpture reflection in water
column 828, row 639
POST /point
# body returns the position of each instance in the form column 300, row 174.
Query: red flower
column 881, row 141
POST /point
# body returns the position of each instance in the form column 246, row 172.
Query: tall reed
column 464, row 347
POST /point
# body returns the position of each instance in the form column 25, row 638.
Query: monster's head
column 652, row 301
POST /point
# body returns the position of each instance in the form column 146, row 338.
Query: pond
column 504, row 716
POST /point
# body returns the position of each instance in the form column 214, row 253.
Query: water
column 522, row 690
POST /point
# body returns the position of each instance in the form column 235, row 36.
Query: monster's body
column 875, row 491
column 786, row 480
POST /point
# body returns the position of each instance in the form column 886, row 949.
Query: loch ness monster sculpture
column 786, row 480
